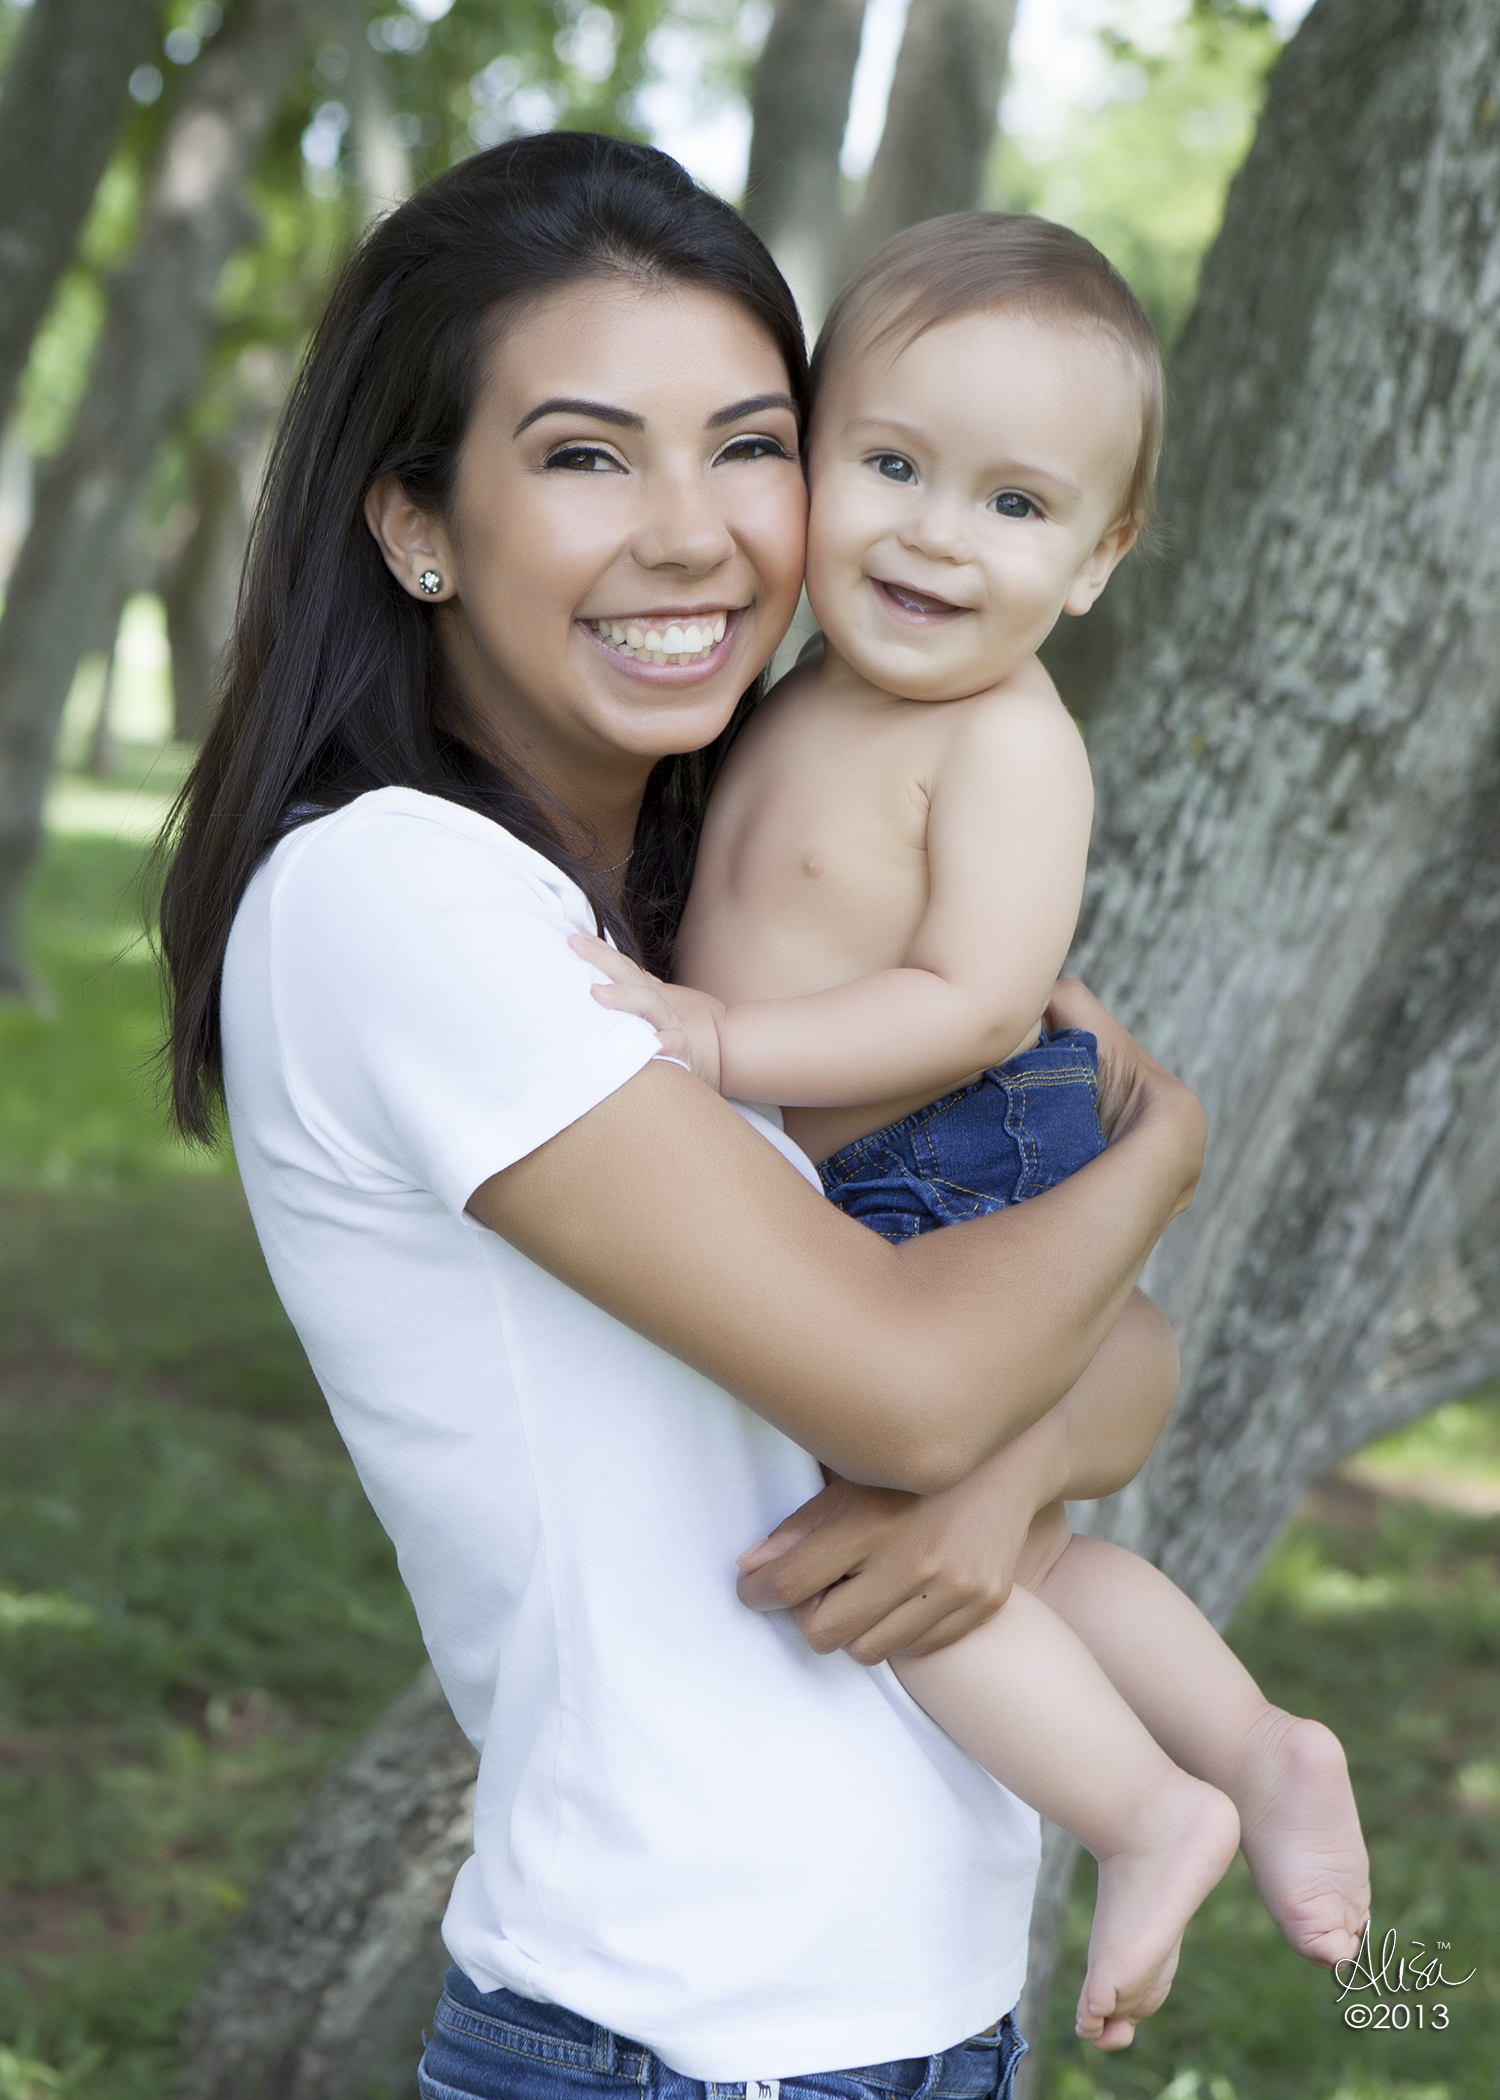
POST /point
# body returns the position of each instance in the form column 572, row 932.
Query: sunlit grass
column 197, row 1609
column 79, row 1090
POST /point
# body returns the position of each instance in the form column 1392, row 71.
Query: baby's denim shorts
column 1019, row 1128
column 492, row 2045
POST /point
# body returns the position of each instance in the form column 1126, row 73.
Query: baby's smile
column 915, row 605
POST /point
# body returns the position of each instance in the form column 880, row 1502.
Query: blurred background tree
column 196, row 1610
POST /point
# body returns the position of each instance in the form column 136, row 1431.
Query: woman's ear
column 415, row 546
column 1099, row 567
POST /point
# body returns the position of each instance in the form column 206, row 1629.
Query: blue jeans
column 492, row 2045
column 1019, row 1128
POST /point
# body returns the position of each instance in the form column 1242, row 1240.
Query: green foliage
column 1145, row 176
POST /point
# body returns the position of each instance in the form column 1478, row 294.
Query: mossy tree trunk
column 1295, row 893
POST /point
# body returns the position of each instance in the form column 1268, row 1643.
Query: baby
column 886, row 890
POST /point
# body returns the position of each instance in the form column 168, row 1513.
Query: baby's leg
column 1026, row 1699
column 1287, row 1777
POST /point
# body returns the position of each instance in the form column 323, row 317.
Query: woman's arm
column 874, row 1571
column 899, row 1367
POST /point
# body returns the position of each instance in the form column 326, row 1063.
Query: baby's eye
column 584, row 459
column 1010, row 503
column 757, row 446
column 893, row 466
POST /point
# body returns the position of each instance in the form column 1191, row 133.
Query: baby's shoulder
column 1019, row 721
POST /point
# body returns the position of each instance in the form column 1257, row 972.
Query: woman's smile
column 691, row 641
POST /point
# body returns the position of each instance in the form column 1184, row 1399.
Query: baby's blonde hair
column 981, row 261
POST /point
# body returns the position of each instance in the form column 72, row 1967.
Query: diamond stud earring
column 430, row 582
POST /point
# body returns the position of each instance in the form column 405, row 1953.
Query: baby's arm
column 1009, row 811
column 1007, row 838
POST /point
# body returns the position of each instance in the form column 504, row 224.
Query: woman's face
column 624, row 550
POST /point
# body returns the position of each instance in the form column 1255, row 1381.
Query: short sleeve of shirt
column 433, row 1024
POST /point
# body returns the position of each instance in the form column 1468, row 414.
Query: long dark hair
column 334, row 682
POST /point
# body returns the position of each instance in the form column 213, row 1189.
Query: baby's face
column 965, row 492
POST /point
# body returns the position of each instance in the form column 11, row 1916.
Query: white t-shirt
column 757, row 1860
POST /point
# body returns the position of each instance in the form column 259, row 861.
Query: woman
column 586, row 1330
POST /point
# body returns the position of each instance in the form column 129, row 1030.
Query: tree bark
column 156, row 332
column 326, row 1981
column 1295, row 893
column 940, row 122
column 384, row 165
column 65, row 98
column 200, row 588
column 800, row 105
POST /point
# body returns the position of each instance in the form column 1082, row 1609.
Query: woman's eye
column 756, row 447
column 893, row 466
column 1011, row 504
column 584, row 459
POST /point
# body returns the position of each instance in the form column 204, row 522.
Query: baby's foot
column 1300, row 1831
column 1146, row 1896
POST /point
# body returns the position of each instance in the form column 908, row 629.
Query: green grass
column 197, row 1612
column 197, row 1609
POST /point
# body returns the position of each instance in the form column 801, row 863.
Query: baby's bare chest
column 813, row 864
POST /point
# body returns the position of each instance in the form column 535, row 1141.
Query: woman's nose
column 684, row 527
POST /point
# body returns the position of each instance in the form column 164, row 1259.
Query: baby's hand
column 686, row 1022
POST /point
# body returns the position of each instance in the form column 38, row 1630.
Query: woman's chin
column 659, row 709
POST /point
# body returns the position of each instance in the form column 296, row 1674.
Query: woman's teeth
column 679, row 642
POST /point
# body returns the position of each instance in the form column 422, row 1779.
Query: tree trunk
column 384, row 164
column 940, row 123
column 199, row 591
column 1295, row 894
column 65, row 98
column 329, row 1976
column 102, row 755
column 800, row 105
column 156, row 331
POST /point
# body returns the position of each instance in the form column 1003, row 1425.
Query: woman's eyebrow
column 565, row 405
column 752, row 407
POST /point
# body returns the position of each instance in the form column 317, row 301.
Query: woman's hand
column 878, row 1572
column 1129, row 1080
column 686, row 1022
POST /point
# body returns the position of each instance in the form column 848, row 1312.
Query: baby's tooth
column 635, row 635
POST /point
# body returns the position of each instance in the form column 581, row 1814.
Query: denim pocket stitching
column 514, row 2041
